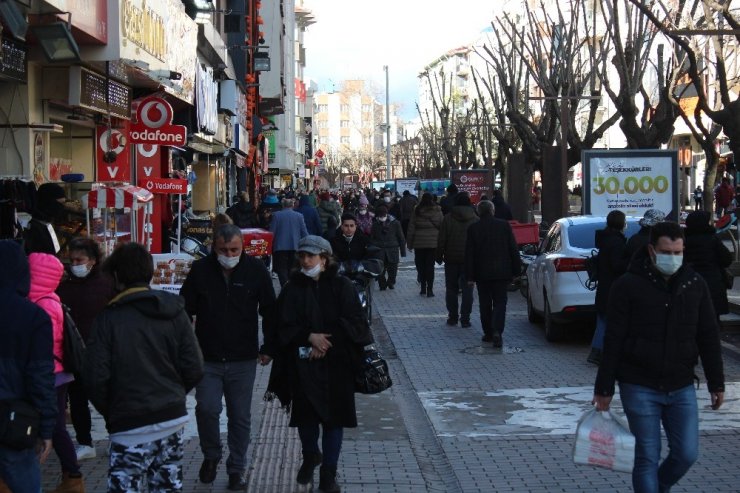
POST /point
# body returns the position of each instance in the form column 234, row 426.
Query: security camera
column 165, row 74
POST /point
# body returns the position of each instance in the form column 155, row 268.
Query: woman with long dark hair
column 422, row 237
column 320, row 333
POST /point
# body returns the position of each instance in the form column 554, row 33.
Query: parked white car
column 556, row 278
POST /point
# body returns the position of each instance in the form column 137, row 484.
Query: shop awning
column 117, row 197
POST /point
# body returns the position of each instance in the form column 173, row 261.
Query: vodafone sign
column 164, row 185
column 154, row 124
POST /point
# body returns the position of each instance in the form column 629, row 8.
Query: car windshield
column 583, row 235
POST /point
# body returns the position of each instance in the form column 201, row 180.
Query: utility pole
column 387, row 128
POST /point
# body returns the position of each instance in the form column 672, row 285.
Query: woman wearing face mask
column 364, row 216
column 612, row 263
column 320, row 330
column 86, row 291
column 708, row 256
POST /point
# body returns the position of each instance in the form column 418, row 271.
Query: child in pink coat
column 46, row 273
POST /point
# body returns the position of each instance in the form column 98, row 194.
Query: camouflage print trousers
column 157, row 463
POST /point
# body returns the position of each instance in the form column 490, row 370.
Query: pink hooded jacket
column 46, row 273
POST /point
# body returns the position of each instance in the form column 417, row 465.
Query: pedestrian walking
column 242, row 212
column 86, row 291
column 28, row 368
column 660, row 321
column 448, row 201
column 723, row 196
column 387, row 235
column 349, row 243
column 709, row 257
column 329, row 213
column 491, row 262
column 406, row 206
column 612, row 263
column 41, row 236
column 698, row 198
column 364, row 216
column 423, row 232
column 453, row 233
column 287, row 227
column 321, row 330
column 226, row 292
column 637, row 243
column 46, row 273
column 141, row 361
column 310, row 215
column 502, row 209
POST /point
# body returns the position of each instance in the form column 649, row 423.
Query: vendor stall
column 118, row 214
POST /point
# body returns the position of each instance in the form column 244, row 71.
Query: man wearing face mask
column 86, row 291
column 660, row 320
column 224, row 293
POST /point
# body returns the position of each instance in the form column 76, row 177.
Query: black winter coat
column 656, row 330
column 350, row 250
column 86, row 297
column 491, row 253
column 226, row 311
column 612, row 263
column 141, row 360
column 243, row 215
column 321, row 388
column 388, row 236
column 637, row 242
column 706, row 254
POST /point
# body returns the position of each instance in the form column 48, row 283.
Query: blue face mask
column 668, row 264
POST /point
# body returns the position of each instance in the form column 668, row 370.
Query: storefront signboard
column 154, row 124
column 164, row 186
column 631, row 181
column 113, row 156
column 90, row 18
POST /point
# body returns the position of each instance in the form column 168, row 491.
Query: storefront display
column 170, row 271
column 257, row 242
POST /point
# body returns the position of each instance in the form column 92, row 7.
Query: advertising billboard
column 631, row 181
column 403, row 184
column 476, row 182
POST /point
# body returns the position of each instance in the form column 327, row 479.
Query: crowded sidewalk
column 461, row 416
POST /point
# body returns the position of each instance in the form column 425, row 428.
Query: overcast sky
column 354, row 40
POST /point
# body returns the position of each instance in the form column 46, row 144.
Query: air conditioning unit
column 227, row 97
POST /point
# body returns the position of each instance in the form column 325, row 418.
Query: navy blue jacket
column 26, row 355
column 310, row 216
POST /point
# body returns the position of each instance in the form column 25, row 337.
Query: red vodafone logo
column 154, row 125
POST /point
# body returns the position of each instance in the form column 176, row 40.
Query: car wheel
column 553, row 330
column 532, row 315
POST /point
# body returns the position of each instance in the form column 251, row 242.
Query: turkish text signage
column 631, row 181
column 477, row 182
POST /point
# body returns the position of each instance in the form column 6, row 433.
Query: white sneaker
column 85, row 452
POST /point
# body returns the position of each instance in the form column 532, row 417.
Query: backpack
column 592, row 270
column 73, row 345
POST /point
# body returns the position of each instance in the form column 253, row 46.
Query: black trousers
column 424, row 260
column 282, row 263
column 79, row 410
column 492, row 298
column 388, row 276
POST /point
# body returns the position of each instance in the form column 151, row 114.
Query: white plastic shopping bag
column 604, row 440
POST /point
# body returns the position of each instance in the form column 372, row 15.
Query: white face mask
column 382, row 218
column 386, row 199
column 363, row 212
column 668, row 264
column 228, row 262
column 313, row 271
column 80, row 270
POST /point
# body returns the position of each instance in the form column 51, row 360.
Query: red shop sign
column 154, row 124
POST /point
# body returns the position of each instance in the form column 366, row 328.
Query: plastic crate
column 525, row 233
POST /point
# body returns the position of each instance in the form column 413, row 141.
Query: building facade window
column 344, row 123
column 323, row 108
column 344, row 140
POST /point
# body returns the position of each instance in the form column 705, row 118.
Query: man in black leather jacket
column 225, row 292
column 660, row 320
column 142, row 359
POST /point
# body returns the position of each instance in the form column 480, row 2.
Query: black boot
column 430, row 293
column 310, row 461
column 423, row 291
column 328, row 480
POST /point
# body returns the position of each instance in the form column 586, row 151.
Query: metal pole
column 564, row 150
column 387, row 128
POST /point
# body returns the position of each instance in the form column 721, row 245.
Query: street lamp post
column 387, row 128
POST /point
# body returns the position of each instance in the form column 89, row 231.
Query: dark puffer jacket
column 141, row 360
column 612, row 263
column 657, row 330
column 453, row 232
column 706, row 254
column 424, row 227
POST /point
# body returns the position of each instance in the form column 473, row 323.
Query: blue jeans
column 20, row 470
column 454, row 282
column 233, row 380
column 598, row 341
column 646, row 409
column 331, row 442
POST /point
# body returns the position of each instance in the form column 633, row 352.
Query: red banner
column 113, row 155
column 154, row 124
column 476, row 182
